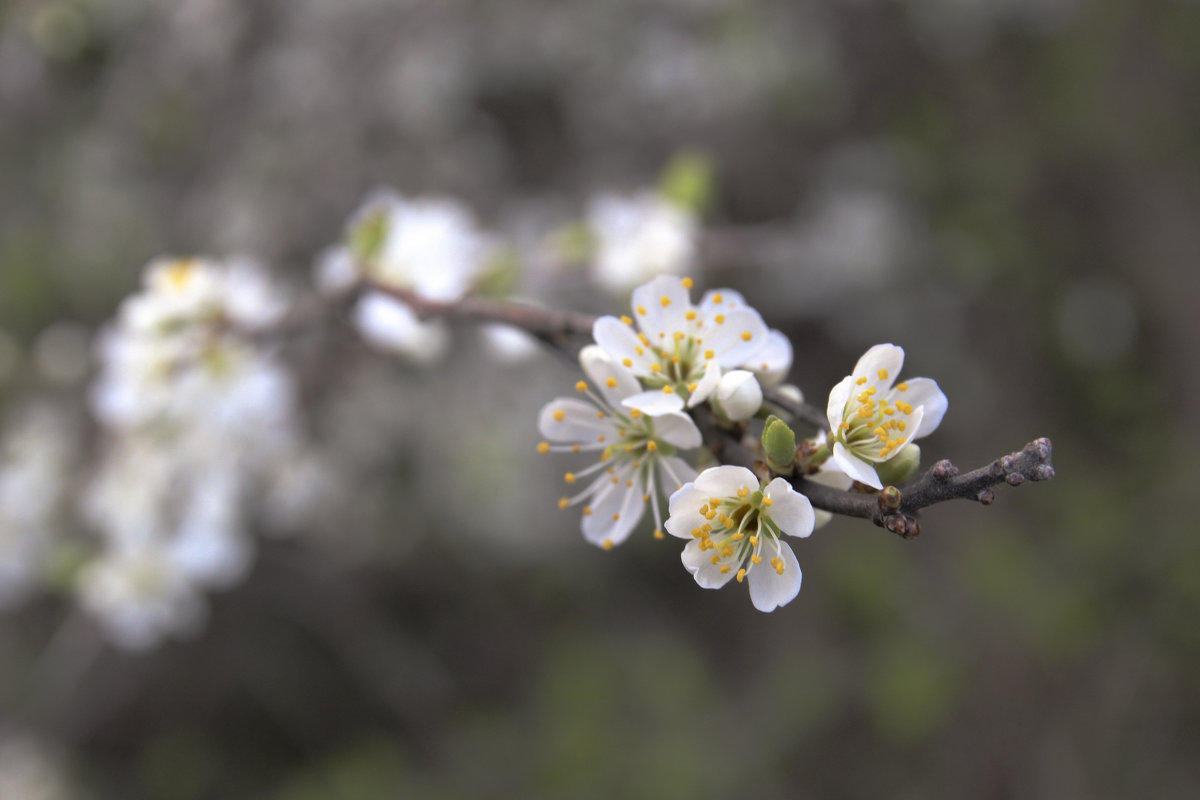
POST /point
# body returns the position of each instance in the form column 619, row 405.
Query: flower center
column 873, row 426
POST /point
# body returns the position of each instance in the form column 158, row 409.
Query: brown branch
column 798, row 410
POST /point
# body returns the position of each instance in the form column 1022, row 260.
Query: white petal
column 579, row 422
column 677, row 429
column 773, row 362
column 391, row 325
column 657, row 318
column 769, row 589
column 699, row 563
column 729, row 300
column 829, row 477
column 728, row 338
column 674, row 472
column 610, row 379
column 924, row 392
column 654, row 402
column 789, row 509
column 684, row 511
column 887, row 357
column 707, row 385
column 853, row 466
column 724, row 481
column 623, row 501
column 838, row 397
column 621, row 342
column 509, row 344
column 739, row 394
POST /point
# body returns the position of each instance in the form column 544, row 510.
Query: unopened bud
column 890, row 498
column 739, row 395
column 899, row 469
column 779, row 445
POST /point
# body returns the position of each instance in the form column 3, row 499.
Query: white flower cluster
column 429, row 246
column 638, row 237
column 647, row 371
column 198, row 414
column 36, row 460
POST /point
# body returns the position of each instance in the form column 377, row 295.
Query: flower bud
column 739, row 395
column 779, row 445
column 897, row 470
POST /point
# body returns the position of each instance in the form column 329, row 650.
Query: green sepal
column 779, row 445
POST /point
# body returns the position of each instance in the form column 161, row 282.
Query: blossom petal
column 707, row 385
column 730, row 299
column 580, row 421
column 773, row 362
column 769, row 589
column 886, row 357
column 674, row 472
column 677, row 429
column 925, row 393
column 724, row 481
column 684, row 511
column 854, row 466
column 838, row 397
column 789, row 509
column 655, row 319
column 728, row 338
column 699, row 563
column 622, row 502
column 611, row 380
column 621, row 342
column 654, row 402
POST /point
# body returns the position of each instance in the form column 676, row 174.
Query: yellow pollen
column 687, row 283
column 861, row 380
column 902, row 386
column 599, row 415
column 675, row 359
column 692, row 386
column 716, row 558
column 881, row 433
column 903, row 406
column 777, row 563
column 587, row 511
column 581, row 386
column 742, row 492
column 651, row 445
column 864, row 411
column 656, row 367
column 755, row 559
column 679, row 335
column 710, row 515
column 645, row 497
column 704, row 509
column 616, row 517
column 575, row 448
column 668, row 390
column 884, row 453
column 615, row 479
column 720, row 318
column 891, row 412
column 883, row 373
column 664, row 301
column 737, row 537
column 635, row 413
column 717, row 298
column 641, row 310
column 870, row 390
column 697, row 533
column 725, row 569
column 626, row 320
column 741, row 575
column 628, row 448
column 901, row 424
column 689, row 316
column 636, row 464
column 608, row 544
column 709, row 354
column 893, row 444
column 768, row 502
column 627, row 362
column 658, row 534
column 611, row 383
column 563, row 503
column 543, row 447
column 844, row 426
column 754, row 542
column 747, row 336
column 569, row 477
column 559, row 415
column 629, row 483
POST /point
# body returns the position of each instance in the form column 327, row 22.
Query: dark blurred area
column 1008, row 189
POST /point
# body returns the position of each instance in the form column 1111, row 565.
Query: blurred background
column 1008, row 189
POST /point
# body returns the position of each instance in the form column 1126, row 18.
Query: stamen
column 611, row 382
column 559, row 415
column 768, row 502
column 717, row 298
column 664, row 301
column 725, row 569
column 563, row 503
column 741, row 575
column 641, row 310
column 902, row 386
column 883, row 373
column 747, row 336
column 635, row 413
column 543, row 447
column 720, row 318
column 626, row 320
column 627, row 362
column 861, row 380
column 709, row 355
column 651, row 445
column 581, row 386
column 668, row 389
column 569, row 477
column 587, row 511
column 743, row 492
column 687, row 283
column 689, row 316
column 608, row 544
column 658, row 534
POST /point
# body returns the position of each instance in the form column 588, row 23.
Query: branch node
column 1044, row 472
column 987, row 497
column 1014, row 479
column 996, row 469
column 890, row 499
column 944, row 470
column 902, row 525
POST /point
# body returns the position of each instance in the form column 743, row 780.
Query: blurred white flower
column 392, row 326
column 29, row 771
column 637, row 450
column 638, row 237
column 734, row 524
column 873, row 419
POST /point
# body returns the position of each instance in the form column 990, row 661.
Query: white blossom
column 734, row 524
column 636, row 449
column 872, row 418
column 738, row 395
column 639, row 237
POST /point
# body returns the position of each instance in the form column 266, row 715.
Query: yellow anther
column 737, row 537
column 893, row 444
column 675, row 359
column 864, row 412
column 716, row 559
column 709, row 354
column 639, row 351
column 658, row 534
column 870, row 390
column 901, row 424
column 756, row 559
column 891, row 412
column 741, row 575
column 768, row 502
column 559, row 415
column 627, row 362
column 641, row 310
column 903, row 406
column 581, row 386
column 608, row 544
column 636, row 464
column 753, row 542
column 628, row 448
column 645, row 497
column 725, row 569
column 627, row 320
column 563, row 502
column 710, row 515
column 644, row 339
column 704, row 509
column 664, row 301
column 656, row 367
column 575, row 448
column 697, row 533
column 569, row 477
column 651, row 445
column 611, row 382
column 861, row 380
column 691, row 387
column 689, row 316
column 902, row 386
column 599, row 415
column 587, row 511
column 884, row 453
column 747, row 336
column 679, row 335
column 720, row 318
column 629, row 483
column 883, row 373
column 881, row 433
column 668, row 390
column 543, row 447
column 778, row 564
column 727, row 551
column 616, row 517
column 717, row 298
column 742, row 492
column 635, row 413
column 687, row 283
column 844, row 426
